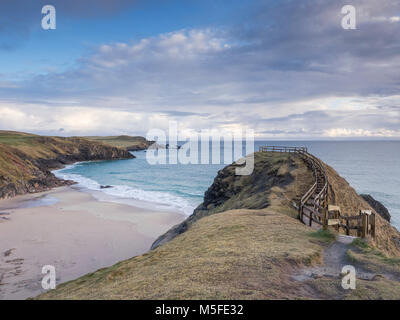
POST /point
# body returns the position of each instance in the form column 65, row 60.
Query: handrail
column 282, row 149
column 320, row 201
column 318, row 211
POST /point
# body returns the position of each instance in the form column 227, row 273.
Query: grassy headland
column 127, row 142
column 26, row 159
column 243, row 242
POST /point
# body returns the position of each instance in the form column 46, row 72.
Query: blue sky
column 285, row 69
column 77, row 35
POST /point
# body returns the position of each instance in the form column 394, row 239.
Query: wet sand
column 74, row 232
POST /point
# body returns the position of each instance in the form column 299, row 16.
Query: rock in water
column 378, row 207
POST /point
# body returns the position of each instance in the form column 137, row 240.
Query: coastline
column 73, row 230
column 124, row 193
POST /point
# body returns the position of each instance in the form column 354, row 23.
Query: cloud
column 288, row 70
column 344, row 132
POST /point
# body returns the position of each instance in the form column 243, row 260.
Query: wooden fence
column 313, row 206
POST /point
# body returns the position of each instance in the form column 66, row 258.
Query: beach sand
column 74, row 232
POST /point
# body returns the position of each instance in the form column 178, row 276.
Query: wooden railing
column 363, row 224
column 282, row 149
column 313, row 206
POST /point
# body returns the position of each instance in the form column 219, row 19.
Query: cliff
column 26, row 160
column 378, row 206
column 246, row 242
column 275, row 184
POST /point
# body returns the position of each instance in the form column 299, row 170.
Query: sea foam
column 158, row 200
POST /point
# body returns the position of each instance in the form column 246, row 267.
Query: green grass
column 350, row 255
column 16, row 138
column 19, row 152
column 127, row 142
column 372, row 258
column 323, row 235
column 362, row 244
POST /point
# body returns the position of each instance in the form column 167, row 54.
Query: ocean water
column 371, row 167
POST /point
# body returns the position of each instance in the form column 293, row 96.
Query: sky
column 284, row 68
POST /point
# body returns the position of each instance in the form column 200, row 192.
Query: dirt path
column 334, row 259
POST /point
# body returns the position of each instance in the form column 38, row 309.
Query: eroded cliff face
column 25, row 166
column 277, row 183
column 378, row 206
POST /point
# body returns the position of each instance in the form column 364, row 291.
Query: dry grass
column 373, row 259
column 239, row 254
column 13, row 167
column 21, row 153
column 247, row 253
column 343, row 195
column 277, row 182
column 377, row 289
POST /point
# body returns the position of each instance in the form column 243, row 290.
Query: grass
column 343, row 195
column 274, row 183
column 350, row 255
column 247, row 253
column 238, row 254
column 377, row 289
column 373, row 259
column 325, row 236
column 19, row 153
column 126, row 142
column 360, row 243
column 277, row 183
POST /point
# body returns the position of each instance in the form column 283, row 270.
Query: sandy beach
column 74, row 232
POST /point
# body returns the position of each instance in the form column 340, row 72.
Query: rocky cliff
column 378, row 206
column 277, row 182
column 26, row 160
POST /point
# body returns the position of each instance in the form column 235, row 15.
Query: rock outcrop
column 378, row 206
column 271, row 185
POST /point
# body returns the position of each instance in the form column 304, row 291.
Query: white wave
column 127, row 192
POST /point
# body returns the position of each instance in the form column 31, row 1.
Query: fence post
column 373, row 224
column 300, row 211
column 364, row 225
column 324, row 218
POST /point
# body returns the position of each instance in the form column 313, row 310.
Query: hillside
column 26, row 160
column 245, row 242
column 277, row 183
column 126, row 142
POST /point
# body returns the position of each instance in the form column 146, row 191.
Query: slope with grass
column 237, row 254
column 129, row 143
column 26, row 160
column 244, row 242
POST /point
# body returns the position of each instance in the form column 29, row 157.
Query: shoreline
column 117, row 193
column 70, row 228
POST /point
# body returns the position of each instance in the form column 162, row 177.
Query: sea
column 371, row 167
